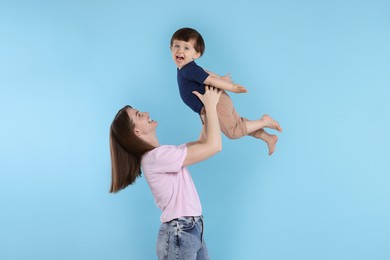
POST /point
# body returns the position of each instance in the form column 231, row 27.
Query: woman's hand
column 210, row 98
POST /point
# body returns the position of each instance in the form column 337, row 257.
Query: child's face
column 183, row 52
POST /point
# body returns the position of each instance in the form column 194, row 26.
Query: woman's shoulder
column 165, row 158
column 167, row 148
column 164, row 152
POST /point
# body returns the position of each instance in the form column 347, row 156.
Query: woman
column 134, row 145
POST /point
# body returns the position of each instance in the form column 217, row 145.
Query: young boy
column 187, row 45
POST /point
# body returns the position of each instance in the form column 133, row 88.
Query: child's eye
column 186, row 48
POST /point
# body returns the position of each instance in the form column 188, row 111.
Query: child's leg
column 232, row 125
column 264, row 122
column 270, row 140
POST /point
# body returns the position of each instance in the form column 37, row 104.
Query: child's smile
column 179, row 58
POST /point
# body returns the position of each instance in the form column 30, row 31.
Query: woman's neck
column 152, row 139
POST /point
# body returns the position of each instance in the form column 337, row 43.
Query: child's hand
column 227, row 78
column 239, row 89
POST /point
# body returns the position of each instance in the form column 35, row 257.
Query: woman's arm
column 210, row 141
column 202, row 137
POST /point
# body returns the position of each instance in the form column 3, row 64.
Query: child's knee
column 233, row 133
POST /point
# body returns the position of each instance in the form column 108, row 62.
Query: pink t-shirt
column 170, row 182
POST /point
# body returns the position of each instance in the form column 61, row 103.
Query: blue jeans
column 182, row 238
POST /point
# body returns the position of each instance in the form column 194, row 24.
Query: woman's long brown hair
column 126, row 151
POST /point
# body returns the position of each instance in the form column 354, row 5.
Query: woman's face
column 143, row 124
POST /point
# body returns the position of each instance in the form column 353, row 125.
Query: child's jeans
column 182, row 238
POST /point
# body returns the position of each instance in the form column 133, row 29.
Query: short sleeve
column 166, row 159
column 196, row 73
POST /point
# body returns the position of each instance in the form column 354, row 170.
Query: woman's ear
column 137, row 132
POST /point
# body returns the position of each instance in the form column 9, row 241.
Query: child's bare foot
column 271, row 143
column 271, row 123
column 270, row 140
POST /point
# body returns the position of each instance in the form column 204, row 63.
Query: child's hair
column 187, row 34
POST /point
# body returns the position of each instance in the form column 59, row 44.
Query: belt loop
column 177, row 228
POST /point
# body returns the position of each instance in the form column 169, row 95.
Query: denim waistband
column 178, row 222
column 187, row 218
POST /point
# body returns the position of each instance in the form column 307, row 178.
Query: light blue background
column 321, row 68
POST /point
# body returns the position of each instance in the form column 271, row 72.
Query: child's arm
column 220, row 83
column 226, row 78
column 212, row 74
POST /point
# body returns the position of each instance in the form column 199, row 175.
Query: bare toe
column 271, row 123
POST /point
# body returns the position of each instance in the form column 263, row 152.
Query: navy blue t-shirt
column 191, row 78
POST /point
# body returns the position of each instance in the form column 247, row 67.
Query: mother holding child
column 134, row 145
